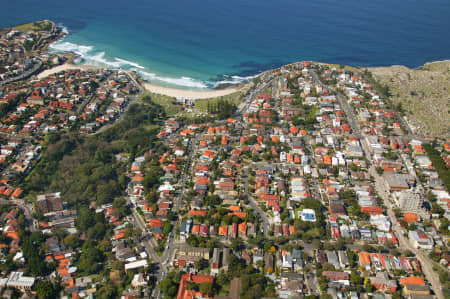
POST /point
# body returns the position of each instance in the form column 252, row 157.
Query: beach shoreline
column 167, row 91
column 64, row 67
column 188, row 94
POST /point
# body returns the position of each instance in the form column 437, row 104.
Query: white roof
column 135, row 265
column 16, row 279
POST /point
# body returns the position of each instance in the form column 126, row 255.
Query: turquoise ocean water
column 197, row 44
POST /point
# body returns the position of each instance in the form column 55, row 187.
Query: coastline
column 64, row 67
column 178, row 92
column 189, row 94
column 167, row 91
column 164, row 90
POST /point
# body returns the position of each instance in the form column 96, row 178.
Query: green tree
column 108, row 291
column 97, row 232
column 34, row 256
column 437, row 209
column 206, row 287
column 120, row 207
column 167, row 227
column 236, row 244
column 72, row 241
column 379, row 170
column 91, row 259
column 267, row 245
column 85, row 219
column 169, row 285
column 355, row 278
column 46, row 290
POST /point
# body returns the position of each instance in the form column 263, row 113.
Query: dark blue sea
column 196, row 43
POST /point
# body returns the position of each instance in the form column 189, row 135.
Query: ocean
column 199, row 44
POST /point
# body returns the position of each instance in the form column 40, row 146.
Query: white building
column 138, row 281
column 136, row 265
column 409, row 200
column 381, row 222
column 420, row 240
column 166, row 187
column 19, row 281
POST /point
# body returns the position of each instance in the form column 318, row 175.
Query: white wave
column 244, row 78
column 126, row 62
column 99, row 59
column 236, row 77
column 234, row 80
column 182, row 81
column 88, row 55
column 64, row 29
column 62, row 46
column 146, row 75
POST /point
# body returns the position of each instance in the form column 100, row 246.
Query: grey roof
column 296, row 253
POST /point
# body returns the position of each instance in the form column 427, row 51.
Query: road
column 165, row 260
column 131, row 100
column 243, row 107
column 138, row 86
column 241, row 110
column 426, row 263
column 342, row 101
column 138, row 222
column 252, row 203
column 28, row 210
column 17, row 136
column 352, row 120
column 187, row 171
column 25, row 75
column 148, row 241
column 403, row 122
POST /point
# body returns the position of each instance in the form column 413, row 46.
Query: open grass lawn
column 236, row 98
column 168, row 103
column 35, row 26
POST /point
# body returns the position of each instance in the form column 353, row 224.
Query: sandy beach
column 188, row 94
column 63, row 67
column 168, row 91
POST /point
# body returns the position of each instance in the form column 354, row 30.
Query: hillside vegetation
column 85, row 167
column 424, row 95
column 234, row 98
column 44, row 25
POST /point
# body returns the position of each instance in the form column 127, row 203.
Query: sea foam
column 88, row 55
column 61, row 46
column 133, row 64
column 64, row 29
column 233, row 80
column 183, row 81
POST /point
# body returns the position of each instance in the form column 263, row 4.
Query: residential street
column 427, row 264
